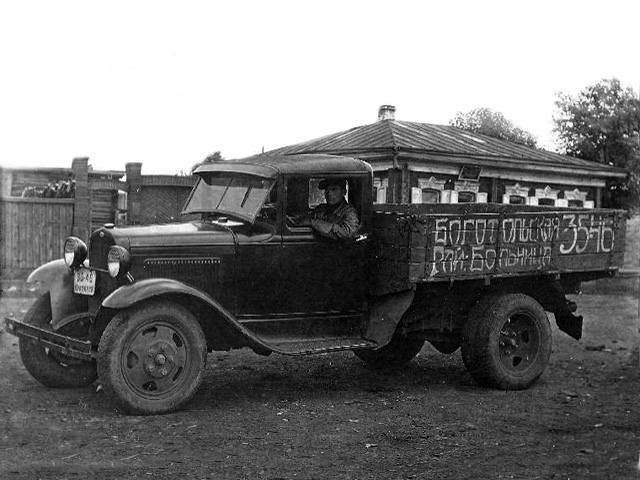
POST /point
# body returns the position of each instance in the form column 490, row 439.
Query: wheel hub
column 518, row 343
column 159, row 359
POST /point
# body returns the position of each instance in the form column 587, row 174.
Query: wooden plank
column 3, row 237
column 392, row 252
column 62, row 201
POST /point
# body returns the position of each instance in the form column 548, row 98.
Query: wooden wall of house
column 398, row 184
column 162, row 204
column 103, row 207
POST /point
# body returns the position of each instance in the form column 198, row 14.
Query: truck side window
column 323, row 205
column 304, row 194
column 316, row 196
column 297, row 196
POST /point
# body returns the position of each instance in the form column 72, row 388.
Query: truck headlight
column 75, row 252
column 118, row 261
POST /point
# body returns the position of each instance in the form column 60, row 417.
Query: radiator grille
column 101, row 241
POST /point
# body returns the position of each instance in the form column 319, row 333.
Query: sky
column 167, row 83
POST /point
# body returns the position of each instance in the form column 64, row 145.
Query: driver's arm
column 344, row 229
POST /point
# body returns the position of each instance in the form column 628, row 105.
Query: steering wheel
column 268, row 212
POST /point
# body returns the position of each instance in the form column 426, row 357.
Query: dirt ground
column 329, row 417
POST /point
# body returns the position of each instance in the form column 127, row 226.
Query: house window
column 430, row 196
column 466, row 197
column 547, row 196
column 428, row 190
column 467, row 190
column 515, row 194
column 575, row 198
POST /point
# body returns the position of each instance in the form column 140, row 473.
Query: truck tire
column 151, row 357
column 398, row 352
column 507, row 342
column 470, row 327
column 50, row 368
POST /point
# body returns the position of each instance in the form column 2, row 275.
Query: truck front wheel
column 398, row 352
column 151, row 358
column 508, row 344
column 50, row 368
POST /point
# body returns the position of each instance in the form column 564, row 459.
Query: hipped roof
column 444, row 142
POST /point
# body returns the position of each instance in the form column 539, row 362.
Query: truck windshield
column 235, row 195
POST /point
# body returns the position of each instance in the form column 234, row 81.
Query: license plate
column 84, row 281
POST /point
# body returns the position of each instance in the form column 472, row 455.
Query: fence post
column 134, row 187
column 81, row 207
column 5, row 187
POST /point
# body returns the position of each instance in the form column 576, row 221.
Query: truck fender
column 128, row 295
column 56, row 278
column 385, row 313
column 45, row 275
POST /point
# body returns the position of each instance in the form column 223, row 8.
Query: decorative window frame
column 468, row 186
column 547, row 192
column 516, row 190
column 431, row 184
column 549, row 195
column 380, row 188
column 579, row 196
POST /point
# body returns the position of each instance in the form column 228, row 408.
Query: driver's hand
column 299, row 221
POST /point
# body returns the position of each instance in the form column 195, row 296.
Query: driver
column 336, row 219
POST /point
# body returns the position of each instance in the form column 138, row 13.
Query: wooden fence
column 33, row 229
column 32, row 232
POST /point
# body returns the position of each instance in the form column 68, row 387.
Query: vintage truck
column 140, row 307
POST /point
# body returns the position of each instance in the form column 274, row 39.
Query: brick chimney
column 386, row 112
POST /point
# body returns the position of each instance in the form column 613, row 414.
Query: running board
column 324, row 345
column 83, row 349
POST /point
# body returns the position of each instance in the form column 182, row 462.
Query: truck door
column 320, row 275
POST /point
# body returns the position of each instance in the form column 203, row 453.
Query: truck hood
column 174, row 234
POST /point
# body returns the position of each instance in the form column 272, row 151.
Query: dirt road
column 330, row 417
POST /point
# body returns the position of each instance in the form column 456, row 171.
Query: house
column 425, row 163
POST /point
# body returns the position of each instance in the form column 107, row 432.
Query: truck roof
column 269, row 166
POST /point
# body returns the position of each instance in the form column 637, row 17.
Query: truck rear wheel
column 152, row 357
column 398, row 352
column 50, row 368
column 507, row 343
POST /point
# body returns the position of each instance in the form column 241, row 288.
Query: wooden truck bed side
column 434, row 243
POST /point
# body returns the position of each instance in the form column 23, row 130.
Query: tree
column 214, row 157
column 494, row 124
column 602, row 123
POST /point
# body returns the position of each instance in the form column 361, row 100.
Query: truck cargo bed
column 443, row 242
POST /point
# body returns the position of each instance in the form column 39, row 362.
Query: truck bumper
column 69, row 346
